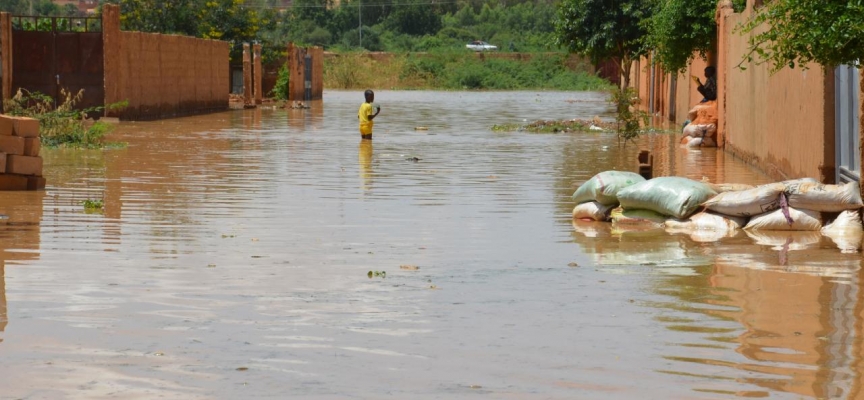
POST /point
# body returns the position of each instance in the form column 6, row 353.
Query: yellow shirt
column 365, row 123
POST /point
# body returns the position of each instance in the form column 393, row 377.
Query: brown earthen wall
column 162, row 76
column 782, row 123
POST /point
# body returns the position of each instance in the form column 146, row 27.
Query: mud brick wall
column 20, row 163
column 297, row 71
column 162, row 76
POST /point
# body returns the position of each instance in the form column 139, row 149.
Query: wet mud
column 233, row 257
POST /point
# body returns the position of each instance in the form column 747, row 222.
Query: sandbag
column 825, row 198
column 846, row 221
column 846, row 231
column 647, row 218
column 668, row 195
column 603, row 187
column 745, row 203
column 700, row 130
column 695, row 142
column 592, row 210
column 686, row 139
column 728, row 187
column 802, row 220
column 708, row 141
column 707, row 221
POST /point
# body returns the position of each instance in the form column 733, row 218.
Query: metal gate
column 847, row 154
column 51, row 54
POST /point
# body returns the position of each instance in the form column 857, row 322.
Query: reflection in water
column 234, row 249
column 19, row 237
column 786, row 302
column 364, row 159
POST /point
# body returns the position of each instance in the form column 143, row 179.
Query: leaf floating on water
column 369, row 274
column 211, row 265
column 242, row 368
column 409, row 267
column 572, row 264
column 254, row 239
column 475, row 387
column 381, row 274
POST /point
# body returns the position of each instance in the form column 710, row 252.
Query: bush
column 62, row 125
column 280, row 89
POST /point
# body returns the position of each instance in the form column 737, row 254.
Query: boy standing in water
column 365, row 115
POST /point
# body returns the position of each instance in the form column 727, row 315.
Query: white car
column 478, row 45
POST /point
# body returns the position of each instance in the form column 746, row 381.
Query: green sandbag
column 668, row 195
column 603, row 187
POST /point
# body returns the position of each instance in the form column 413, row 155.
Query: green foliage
column 679, row 29
column 798, row 32
column 377, row 274
column 628, row 118
column 280, row 89
column 34, row 7
column 93, row 205
column 604, row 29
column 461, row 70
column 62, row 125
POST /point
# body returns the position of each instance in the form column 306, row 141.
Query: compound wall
column 162, row 76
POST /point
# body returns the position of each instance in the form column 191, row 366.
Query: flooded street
column 232, row 257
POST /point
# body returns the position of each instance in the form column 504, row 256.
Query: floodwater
column 232, row 255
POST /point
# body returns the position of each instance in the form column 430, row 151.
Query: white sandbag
column 686, row 139
column 603, row 187
column 715, row 222
column 669, row 195
column 707, row 236
column 745, row 203
column 846, row 231
column 647, row 218
column 802, row 220
column 846, row 221
column 695, row 142
column 592, row 210
column 700, row 130
column 826, row 198
column 785, row 240
column 728, row 187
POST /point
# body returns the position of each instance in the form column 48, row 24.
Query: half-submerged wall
column 160, row 75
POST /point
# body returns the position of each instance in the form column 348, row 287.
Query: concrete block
column 26, row 127
column 23, row 165
column 7, row 125
column 13, row 182
column 35, row 183
column 13, row 145
column 32, row 146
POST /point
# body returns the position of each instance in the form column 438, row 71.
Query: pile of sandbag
column 713, row 211
column 701, row 131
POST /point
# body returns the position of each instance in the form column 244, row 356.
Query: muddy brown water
column 231, row 262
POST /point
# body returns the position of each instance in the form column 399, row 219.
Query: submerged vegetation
column 459, row 70
column 559, row 126
column 93, row 205
column 63, row 125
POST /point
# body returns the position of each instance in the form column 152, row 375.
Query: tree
column 681, row 29
column 604, row 29
column 829, row 33
column 177, row 16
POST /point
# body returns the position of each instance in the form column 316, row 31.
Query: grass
column 460, row 71
column 558, row 126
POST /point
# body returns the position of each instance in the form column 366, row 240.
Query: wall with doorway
column 162, row 75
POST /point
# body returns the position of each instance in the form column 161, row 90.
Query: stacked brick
column 20, row 164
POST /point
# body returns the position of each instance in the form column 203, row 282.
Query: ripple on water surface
column 231, row 261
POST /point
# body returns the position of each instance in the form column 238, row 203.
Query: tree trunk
column 626, row 64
